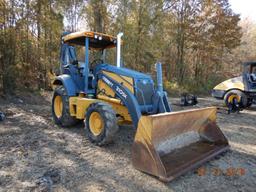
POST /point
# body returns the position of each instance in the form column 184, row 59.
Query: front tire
column 100, row 123
column 60, row 108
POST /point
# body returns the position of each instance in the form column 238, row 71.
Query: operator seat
column 91, row 84
column 253, row 77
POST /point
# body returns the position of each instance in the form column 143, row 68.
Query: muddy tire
column 243, row 101
column 249, row 102
column 100, row 123
column 60, row 108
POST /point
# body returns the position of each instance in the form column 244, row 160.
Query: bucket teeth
column 169, row 144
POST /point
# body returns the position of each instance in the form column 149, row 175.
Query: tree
column 194, row 39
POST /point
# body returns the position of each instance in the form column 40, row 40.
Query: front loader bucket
column 169, row 144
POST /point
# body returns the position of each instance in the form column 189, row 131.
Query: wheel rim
column 232, row 97
column 96, row 123
column 58, row 106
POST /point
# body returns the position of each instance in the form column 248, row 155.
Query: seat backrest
column 253, row 77
column 68, row 54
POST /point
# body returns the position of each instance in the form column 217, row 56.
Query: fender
column 234, row 83
column 221, row 89
column 68, row 83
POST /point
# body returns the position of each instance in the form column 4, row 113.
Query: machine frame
column 166, row 144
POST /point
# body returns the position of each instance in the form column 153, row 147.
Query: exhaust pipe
column 159, row 77
column 118, row 55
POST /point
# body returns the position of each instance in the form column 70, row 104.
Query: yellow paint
column 118, row 107
column 90, row 34
column 213, row 116
column 124, row 80
column 144, row 136
column 96, row 123
column 232, row 97
column 234, row 83
column 79, row 105
column 123, row 112
column 145, row 126
column 116, row 103
column 58, row 106
column 109, row 99
column 103, row 86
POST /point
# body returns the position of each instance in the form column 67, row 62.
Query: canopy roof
column 252, row 63
column 96, row 40
column 249, row 67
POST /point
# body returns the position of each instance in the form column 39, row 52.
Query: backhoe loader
column 167, row 144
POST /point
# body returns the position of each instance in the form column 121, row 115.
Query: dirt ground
column 36, row 155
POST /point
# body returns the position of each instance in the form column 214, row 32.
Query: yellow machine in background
column 167, row 144
column 240, row 90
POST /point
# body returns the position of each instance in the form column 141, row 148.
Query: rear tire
column 249, row 102
column 60, row 108
column 243, row 101
column 100, row 123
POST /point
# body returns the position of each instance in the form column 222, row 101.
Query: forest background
column 199, row 42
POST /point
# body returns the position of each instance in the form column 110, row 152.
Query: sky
column 246, row 8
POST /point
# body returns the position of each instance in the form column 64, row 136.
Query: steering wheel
column 96, row 62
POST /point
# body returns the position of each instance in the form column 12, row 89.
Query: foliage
column 194, row 39
column 30, row 34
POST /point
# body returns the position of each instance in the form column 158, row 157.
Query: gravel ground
column 36, row 155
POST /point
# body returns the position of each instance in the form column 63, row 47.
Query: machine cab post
column 86, row 66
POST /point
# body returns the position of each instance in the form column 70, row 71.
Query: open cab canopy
column 249, row 67
column 97, row 40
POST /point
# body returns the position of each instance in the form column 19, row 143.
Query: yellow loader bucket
column 169, row 144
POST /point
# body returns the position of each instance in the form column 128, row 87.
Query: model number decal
column 121, row 92
column 107, row 81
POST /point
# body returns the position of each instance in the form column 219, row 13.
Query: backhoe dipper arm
column 125, row 95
